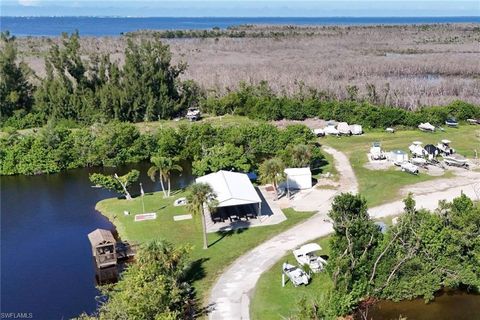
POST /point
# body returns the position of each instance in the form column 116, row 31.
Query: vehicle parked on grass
column 193, row 114
column 295, row 274
column 319, row 132
column 306, row 256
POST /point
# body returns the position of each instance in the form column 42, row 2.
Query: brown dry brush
column 406, row 66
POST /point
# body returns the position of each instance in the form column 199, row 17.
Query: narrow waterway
column 46, row 263
column 448, row 306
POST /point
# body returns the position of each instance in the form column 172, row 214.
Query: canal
column 46, row 261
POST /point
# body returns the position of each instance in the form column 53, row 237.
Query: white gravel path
column 230, row 296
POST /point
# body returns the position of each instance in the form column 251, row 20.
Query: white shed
column 298, row 178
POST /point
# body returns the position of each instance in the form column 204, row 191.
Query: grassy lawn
column 272, row 301
column 226, row 120
column 208, row 264
column 380, row 186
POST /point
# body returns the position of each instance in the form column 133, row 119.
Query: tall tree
column 272, row 171
column 16, row 93
column 200, row 194
column 164, row 166
column 116, row 183
column 154, row 287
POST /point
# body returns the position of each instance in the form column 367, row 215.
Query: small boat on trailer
column 295, row 274
column 419, row 162
column 426, row 127
column 456, row 160
column 409, row 167
column 444, row 147
column 451, row 122
column 473, row 121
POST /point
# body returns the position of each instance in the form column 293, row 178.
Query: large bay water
column 109, row 26
column 46, row 260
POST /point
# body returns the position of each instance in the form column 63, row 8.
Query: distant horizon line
column 243, row 17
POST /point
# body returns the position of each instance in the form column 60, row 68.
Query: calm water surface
column 103, row 26
column 46, row 263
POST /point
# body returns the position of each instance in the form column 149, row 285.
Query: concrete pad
column 182, row 217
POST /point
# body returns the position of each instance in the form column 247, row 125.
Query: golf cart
column 306, row 255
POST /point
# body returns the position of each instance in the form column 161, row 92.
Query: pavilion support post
column 259, row 213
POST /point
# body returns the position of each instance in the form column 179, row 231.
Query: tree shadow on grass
column 226, row 233
column 196, row 271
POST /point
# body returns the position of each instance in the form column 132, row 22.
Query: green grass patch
column 272, row 301
column 224, row 247
column 380, row 186
column 220, row 121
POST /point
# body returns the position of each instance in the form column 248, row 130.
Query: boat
column 417, row 150
column 376, row 152
column 306, row 256
column 390, row 130
column 419, row 162
column 432, row 151
column 295, row 274
column 444, row 147
column 426, row 127
column 344, row 129
column 473, row 121
column 180, row 202
column 456, row 160
column 451, row 122
column 193, row 114
column 409, row 167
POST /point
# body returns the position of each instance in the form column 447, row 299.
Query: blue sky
column 249, row 8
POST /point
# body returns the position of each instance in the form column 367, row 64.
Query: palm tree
column 301, row 155
column 164, row 166
column 198, row 195
column 271, row 171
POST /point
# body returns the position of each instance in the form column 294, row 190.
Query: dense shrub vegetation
column 420, row 255
column 55, row 148
column 85, row 94
column 261, row 103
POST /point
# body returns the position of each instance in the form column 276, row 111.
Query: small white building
column 298, row 178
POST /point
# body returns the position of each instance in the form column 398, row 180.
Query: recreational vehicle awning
column 232, row 188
